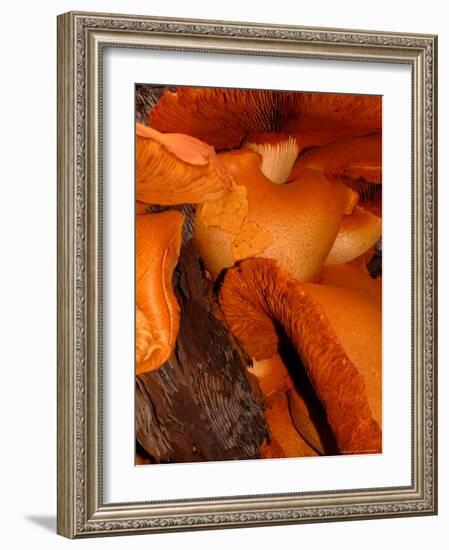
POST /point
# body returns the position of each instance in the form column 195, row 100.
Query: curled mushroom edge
column 256, row 297
column 176, row 169
column 158, row 242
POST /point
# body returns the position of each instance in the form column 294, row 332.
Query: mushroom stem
column 286, row 441
column 226, row 118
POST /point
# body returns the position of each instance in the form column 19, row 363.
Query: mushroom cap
column 295, row 223
column 358, row 232
column 352, row 158
column 158, row 242
column 225, row 118
column 175, row 169
column 329, row 327
column 141, row 208
column 355, row 162
column 275, row 380
column 356, row 318
column 353, row 276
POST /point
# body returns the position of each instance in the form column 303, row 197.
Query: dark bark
column 147, row 95
column 375, row 264
column 189, row 212
column 199, row 405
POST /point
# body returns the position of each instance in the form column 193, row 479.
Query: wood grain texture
column 199, row 405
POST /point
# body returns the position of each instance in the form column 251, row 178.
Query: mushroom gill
column 176, row 168
column 335, row 331
column 226, row 118
column 278, row 125
column 278, row 155
column 296, row 224
column 158, row 241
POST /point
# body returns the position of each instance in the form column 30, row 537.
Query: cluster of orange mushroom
column 287, row 195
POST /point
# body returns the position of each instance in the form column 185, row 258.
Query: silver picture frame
column 82, row 38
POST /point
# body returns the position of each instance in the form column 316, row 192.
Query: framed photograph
column 246, row 274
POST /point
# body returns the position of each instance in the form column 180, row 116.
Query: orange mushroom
column 351, row 158
column 354, row 277
column 358, row 233
column 226, row 118
column 336, row 332
column 175, row 169
column 310, row 221
column 278, row 126
column 296, row 223
column 295, row 417
column 158, row 242
column 357, row 163
column 354, row 162
column 286, row 440
column 309, row 421
column 141, row 208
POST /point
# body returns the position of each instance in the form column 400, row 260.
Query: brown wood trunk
column 199, row 405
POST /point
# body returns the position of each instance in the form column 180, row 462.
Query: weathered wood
column 375, row 264
column 187, row 209
column 147, row 95
column 199, row 405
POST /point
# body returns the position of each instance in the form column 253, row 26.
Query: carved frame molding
column 81, row 39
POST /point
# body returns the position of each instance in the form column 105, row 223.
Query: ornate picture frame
column 82, row 40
